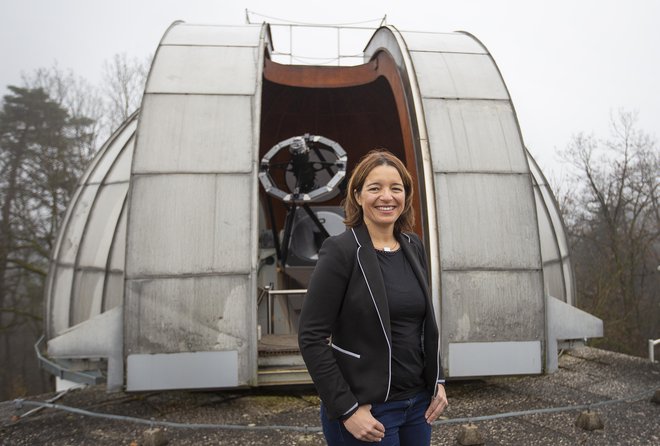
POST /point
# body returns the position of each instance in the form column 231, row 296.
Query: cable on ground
column 19, row 403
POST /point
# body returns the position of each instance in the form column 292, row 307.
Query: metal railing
column 270, row 308
column 652, row 344
column 340, row 39
column 64, row 369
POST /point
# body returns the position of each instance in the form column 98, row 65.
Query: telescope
column 313, row 173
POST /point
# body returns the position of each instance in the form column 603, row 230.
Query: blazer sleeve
column 321, row 306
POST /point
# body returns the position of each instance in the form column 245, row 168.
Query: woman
column 367, row 329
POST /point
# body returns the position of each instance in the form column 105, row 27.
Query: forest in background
column 609, row 201
column 53, row 124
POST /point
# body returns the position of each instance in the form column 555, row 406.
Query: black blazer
column 346, row 302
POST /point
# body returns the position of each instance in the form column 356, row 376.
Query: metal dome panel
column 184, row 134
column 457, row 75
column 79, row 268
column 483, row 309
column 59, row 299
column 485, row 215
column 76, row 225
column 87, row 295
column 557, row 270
column 474, row 136
column 210, row 35
column 104, row 165
column 203, row 70
column 201, row 226
column 444, row 42
column 99, row 234
column 484, row 223
column 121, row 169
column 194, row 174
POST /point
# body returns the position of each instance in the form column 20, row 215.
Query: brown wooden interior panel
column 361, row 108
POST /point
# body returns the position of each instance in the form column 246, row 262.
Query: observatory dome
column 175, row 265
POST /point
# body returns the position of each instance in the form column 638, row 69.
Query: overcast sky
column 567, row 63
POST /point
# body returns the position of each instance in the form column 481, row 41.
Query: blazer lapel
column 371, row 270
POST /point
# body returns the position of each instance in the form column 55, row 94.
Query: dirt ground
column 289, row 416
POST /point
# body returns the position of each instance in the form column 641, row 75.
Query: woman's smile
column 382, row 196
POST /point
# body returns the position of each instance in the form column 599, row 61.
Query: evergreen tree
column 40, row 163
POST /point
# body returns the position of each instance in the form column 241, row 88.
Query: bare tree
column 124, row 81
column 614, row 226
column 83, row 102
column 50, row 129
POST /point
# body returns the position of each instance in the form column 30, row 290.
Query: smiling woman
column 382, row 198
column 379, row 192
column 382, row 384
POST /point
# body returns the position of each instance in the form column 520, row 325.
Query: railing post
column 652, row 344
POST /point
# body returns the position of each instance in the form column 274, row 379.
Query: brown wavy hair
column 373, row 159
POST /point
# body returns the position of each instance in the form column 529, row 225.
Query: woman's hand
column 437, row 406
column 363, row 426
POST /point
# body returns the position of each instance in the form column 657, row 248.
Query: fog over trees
column 50, row 129
column 53, row 124
column 610, row 204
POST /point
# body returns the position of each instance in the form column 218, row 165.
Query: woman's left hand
column 438, row 404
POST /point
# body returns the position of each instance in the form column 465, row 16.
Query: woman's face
column 382, row 197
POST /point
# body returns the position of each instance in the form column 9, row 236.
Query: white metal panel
column 100, row 336
column 454, row 75
column 473, row 135
column 195, row 133
column 553, row 279
column 204, row 70
column 550, row 204
column 61, row 299
column 73, row 231
column 66, row 249
column 113, row 294
column 95, row 245
column 121, row 170
column 118, row 249
column 189, row 34
column 199, row 370
column 191, row 314
column 386, row 38
column 201, row 224
column 538, row 176
column 492, row 306
column 566, row 322
column 88, row 295
column 568, row 282
column 555, row 217
column 442, row 42
column 494, row 358
column 487, row 221
column 554, row 242
column 109, row 156
column 190, row 244
column 549, row 248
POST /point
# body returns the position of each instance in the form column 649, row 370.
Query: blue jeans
column 404, row 423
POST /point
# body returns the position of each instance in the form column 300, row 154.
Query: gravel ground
column 586, row 376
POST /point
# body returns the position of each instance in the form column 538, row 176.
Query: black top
column 407, row 306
